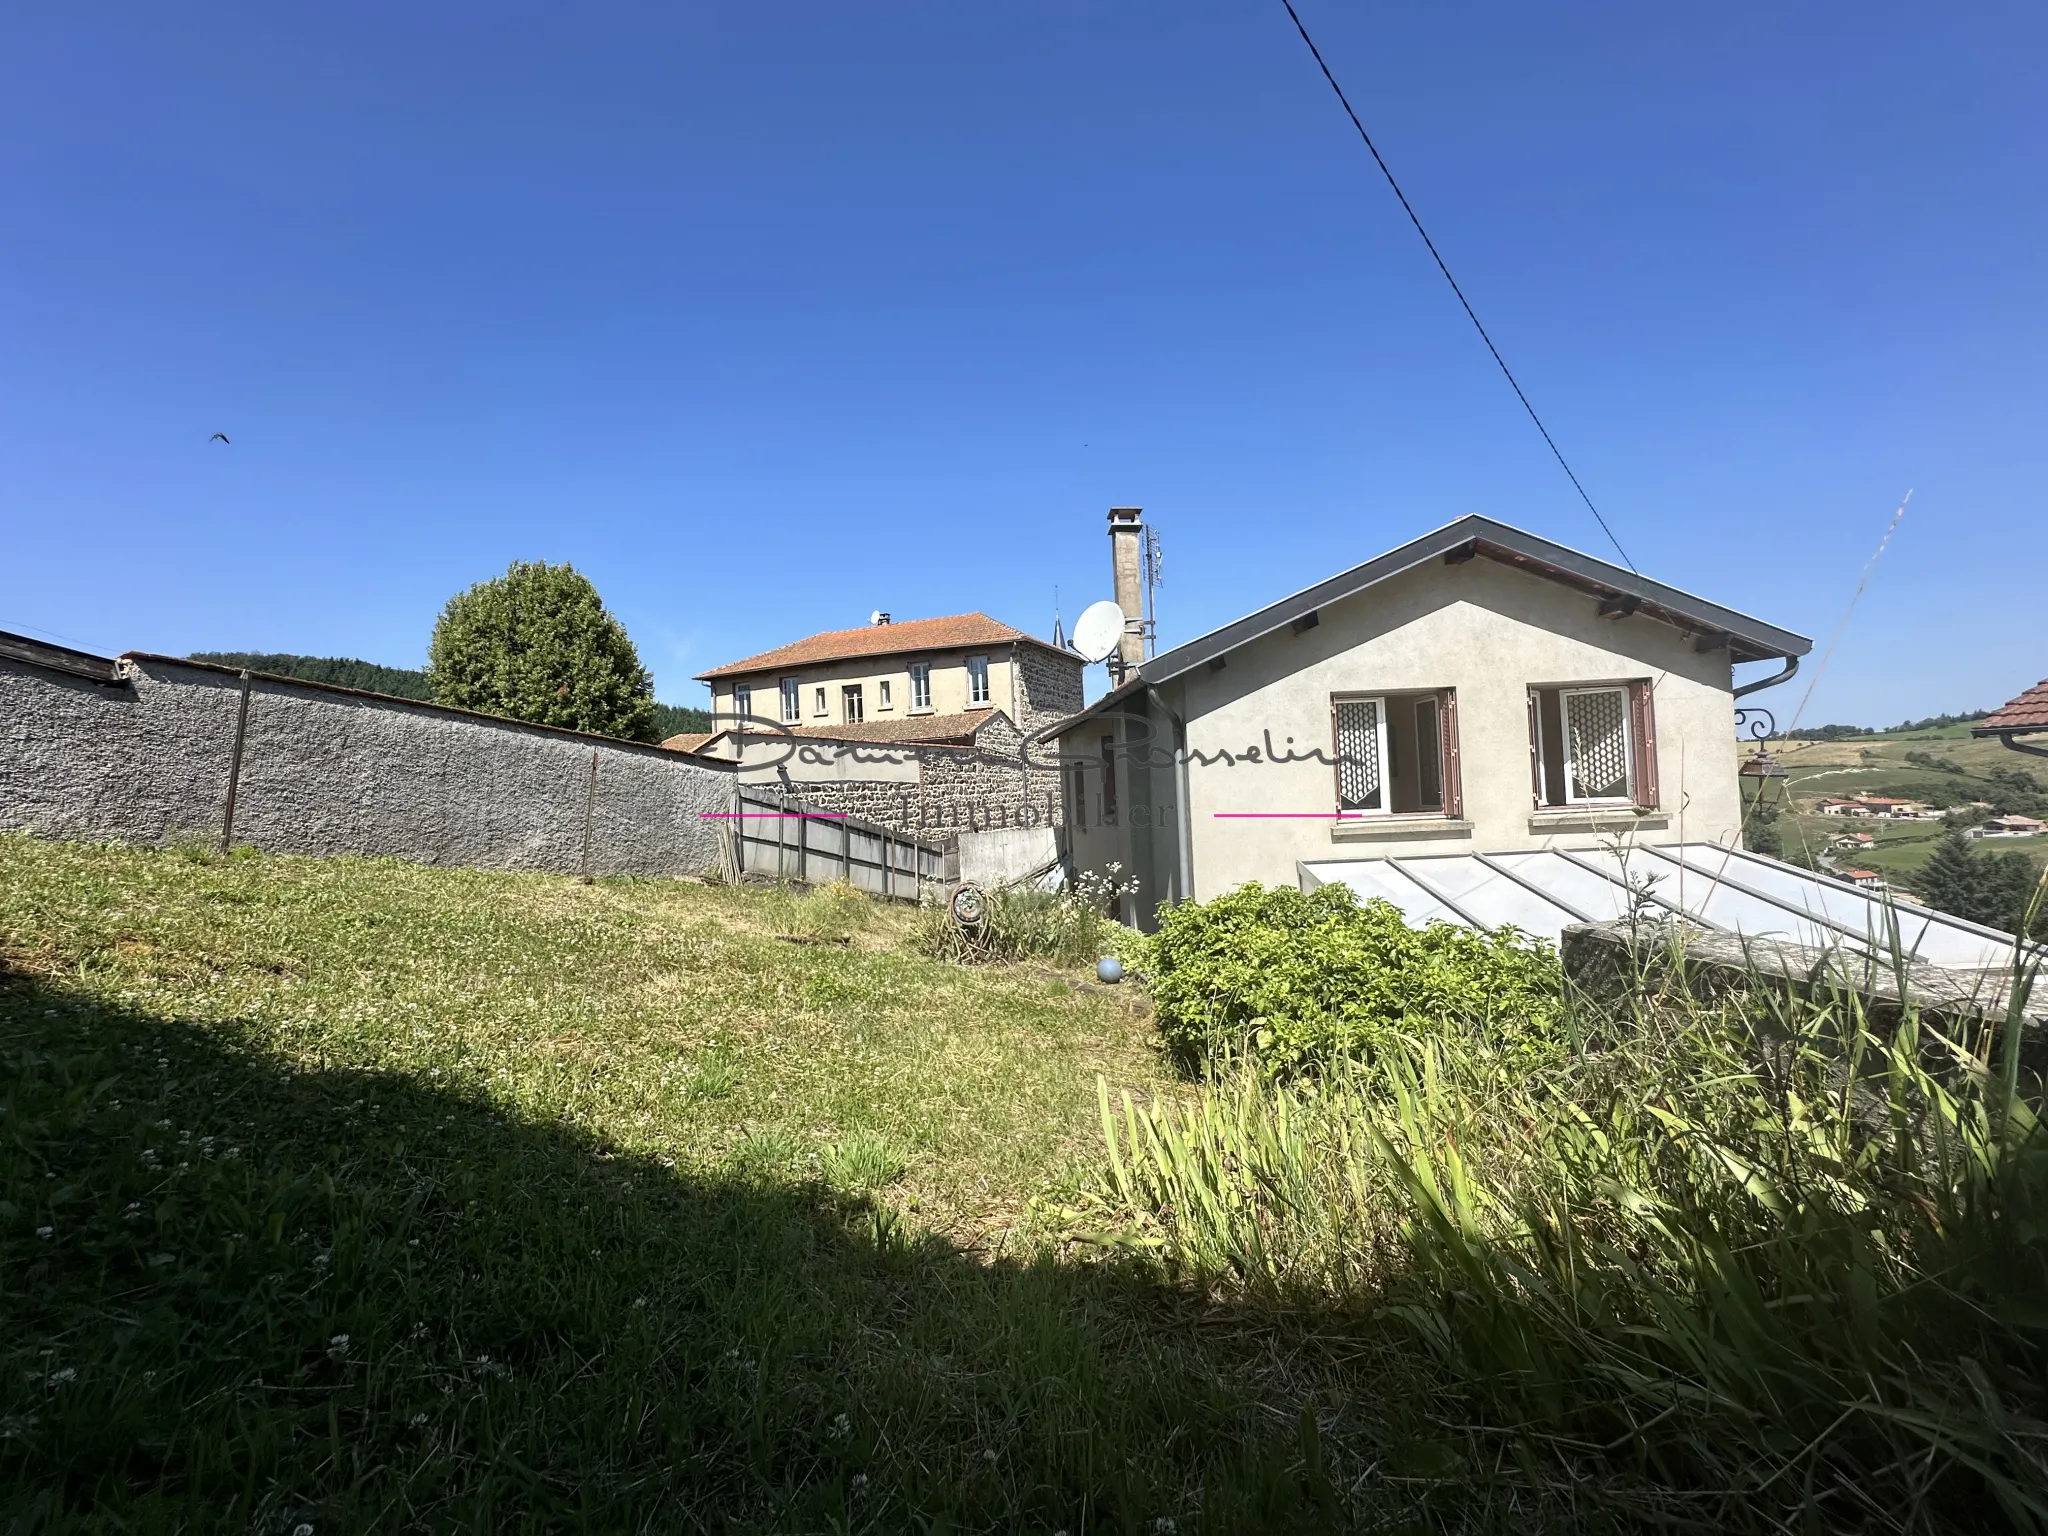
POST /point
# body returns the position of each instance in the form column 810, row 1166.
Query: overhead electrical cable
column 1442, row 267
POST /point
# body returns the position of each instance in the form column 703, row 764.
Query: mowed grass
column 353, row 1195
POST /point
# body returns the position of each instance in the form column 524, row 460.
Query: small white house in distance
column 1478, row 691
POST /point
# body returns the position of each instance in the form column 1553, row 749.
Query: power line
column 1406, row 208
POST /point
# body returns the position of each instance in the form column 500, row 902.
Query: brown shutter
column 1643, row 730
column 1535, row 754
column 1447, row 737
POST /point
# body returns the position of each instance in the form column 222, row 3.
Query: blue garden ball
column 1109, row 969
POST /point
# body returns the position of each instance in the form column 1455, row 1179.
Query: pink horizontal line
column 774, row 815
column 1277, row 815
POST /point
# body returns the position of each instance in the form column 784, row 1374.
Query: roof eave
column 1747, row 639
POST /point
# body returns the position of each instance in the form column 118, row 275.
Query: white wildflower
column 841, row 1427
column 67, row 1374
column 46, row 1231
column 338, row 1345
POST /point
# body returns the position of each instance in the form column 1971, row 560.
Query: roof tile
column 2028, row 712
column 958, row 629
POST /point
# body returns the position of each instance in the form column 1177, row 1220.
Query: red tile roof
column 2028, row 712
column 933, row 729
column 960, row 629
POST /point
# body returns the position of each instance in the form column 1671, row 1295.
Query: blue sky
column 768, row 316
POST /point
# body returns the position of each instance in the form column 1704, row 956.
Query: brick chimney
column 1127, row 563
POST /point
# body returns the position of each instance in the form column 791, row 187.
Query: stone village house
column 1478, row 690
column 917, row 725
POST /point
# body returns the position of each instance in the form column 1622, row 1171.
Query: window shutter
column 1447, row 730
column 1535, row 754
column 1642, row 717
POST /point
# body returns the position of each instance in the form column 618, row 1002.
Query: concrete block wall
column 326, row 771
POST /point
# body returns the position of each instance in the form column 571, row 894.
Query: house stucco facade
column 1226, row 769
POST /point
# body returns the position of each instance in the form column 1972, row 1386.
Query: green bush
column 1300, row 978
column 537, row 644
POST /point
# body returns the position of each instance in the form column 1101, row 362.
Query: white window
column 792, row 701
column 851, row 710
column 977, row 680
column 743, row 701
column 818, row 701
column 920, row 685
column 1397, row 754
column 885, row 699
column 1361, row 726
column 1586, row 745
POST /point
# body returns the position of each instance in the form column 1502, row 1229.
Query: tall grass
column 1760, row 1264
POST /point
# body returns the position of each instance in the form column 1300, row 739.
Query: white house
column 1478, row 690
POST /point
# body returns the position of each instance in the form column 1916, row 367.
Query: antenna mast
column 1155, row 561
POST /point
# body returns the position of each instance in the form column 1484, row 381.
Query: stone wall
column 1048, row 688
column 327, row 771
column 957, row 789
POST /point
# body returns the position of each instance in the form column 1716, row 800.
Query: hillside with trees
column 403, row 682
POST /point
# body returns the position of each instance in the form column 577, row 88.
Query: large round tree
column 536, row 644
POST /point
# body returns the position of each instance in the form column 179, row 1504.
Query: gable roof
column 2028, row 712
column 956, row 630
column 1747, row 639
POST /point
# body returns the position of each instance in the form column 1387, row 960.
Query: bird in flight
column 219, row 437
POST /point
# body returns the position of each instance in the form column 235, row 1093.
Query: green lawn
column 357, row 1196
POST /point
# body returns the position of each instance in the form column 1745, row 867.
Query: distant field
column 1878, row 765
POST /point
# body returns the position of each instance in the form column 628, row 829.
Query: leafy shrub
column 537, row 644
column 1298, row 978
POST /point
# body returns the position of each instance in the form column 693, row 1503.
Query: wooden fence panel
column 779, row 838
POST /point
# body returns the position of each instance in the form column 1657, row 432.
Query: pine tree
column 537, row 645
column 1956, row 881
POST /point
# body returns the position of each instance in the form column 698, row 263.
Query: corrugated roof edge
column 431, row 708
column 1766, row 640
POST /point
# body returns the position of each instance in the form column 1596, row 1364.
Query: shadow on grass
column 235, row 1298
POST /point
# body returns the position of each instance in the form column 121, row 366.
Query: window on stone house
column 1592, row 744
column 792, row 701
column 1109, row 780
column 818, row 702
column 920, row 685
column 977, row 680
column 743, row 702
column 851, row 710
column 885, row 695
column 1397, row 753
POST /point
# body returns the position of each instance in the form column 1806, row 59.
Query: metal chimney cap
column 1124, row 514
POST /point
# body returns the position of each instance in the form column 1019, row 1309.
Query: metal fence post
column 589, row 809
column 227, row 821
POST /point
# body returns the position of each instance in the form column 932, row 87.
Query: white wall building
column 1479, row 690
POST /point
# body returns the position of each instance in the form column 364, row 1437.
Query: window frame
column 920, row 687
column 743, row 702
column 792, row 701
column 1384, row 780
column 885, row 696
column 1639, row 746
column 979, row 693
column 853, row 707
column 820, row 709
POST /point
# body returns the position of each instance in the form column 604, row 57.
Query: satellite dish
column 1098, row 631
